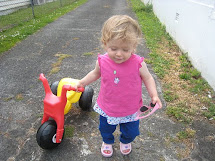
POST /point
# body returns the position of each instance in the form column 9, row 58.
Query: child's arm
column 150, row 84
column 90, row 77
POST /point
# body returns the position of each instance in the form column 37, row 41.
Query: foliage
column 18, row 25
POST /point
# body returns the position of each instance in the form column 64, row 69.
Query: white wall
column 191, row 23
column 9, row 6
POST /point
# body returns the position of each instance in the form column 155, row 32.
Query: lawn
column 17, row 26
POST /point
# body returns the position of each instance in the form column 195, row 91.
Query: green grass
column 160, row 64
column 155, row 35
column 18, row 25
column 153, row 32
column 19, row 97
column 56, row 65
column 88, row 54
column 186, row 134
column 152, row 29
column 193, row 76
column 170, row 96
column 211, row 111
column 179, row 113
column 69, row 131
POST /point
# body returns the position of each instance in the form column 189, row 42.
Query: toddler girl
column 122, row 73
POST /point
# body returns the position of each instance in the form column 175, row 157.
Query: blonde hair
column 121, row 27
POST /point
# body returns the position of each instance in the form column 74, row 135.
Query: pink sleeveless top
column 120, row 92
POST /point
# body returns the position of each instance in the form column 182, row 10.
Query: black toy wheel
column 85, row 101
column 53, row 87
column 46, row 135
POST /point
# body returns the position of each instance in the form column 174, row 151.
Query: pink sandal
column 125, row 147
column 106, row 150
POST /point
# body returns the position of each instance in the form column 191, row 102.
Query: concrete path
column 21, row 95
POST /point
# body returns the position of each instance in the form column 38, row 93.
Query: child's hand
column 78, row 85
column 157, row 100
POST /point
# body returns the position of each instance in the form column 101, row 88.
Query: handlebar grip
column 80, row 89
column 71, row 88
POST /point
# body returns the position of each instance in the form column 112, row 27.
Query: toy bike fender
column 144, row 109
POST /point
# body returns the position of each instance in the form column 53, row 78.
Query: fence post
column 32, row 7
column 60, row 3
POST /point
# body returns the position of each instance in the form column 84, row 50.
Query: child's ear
column 133, row 51
column 134, row 48
column 105, row 46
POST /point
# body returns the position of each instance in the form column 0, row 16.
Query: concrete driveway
column 21, row 95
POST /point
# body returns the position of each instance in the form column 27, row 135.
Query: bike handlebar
column 71, row 88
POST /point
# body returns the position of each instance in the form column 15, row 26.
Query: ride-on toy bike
column 57, row 102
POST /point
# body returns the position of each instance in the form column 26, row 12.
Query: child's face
column 119, row 51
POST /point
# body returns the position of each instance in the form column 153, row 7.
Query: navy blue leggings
column 129, row 131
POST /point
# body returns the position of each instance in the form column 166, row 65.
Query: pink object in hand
column 144, row 109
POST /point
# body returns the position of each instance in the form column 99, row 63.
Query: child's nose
column 119, row 53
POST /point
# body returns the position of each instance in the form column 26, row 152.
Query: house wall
column 191, row 23
column 9, row 6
